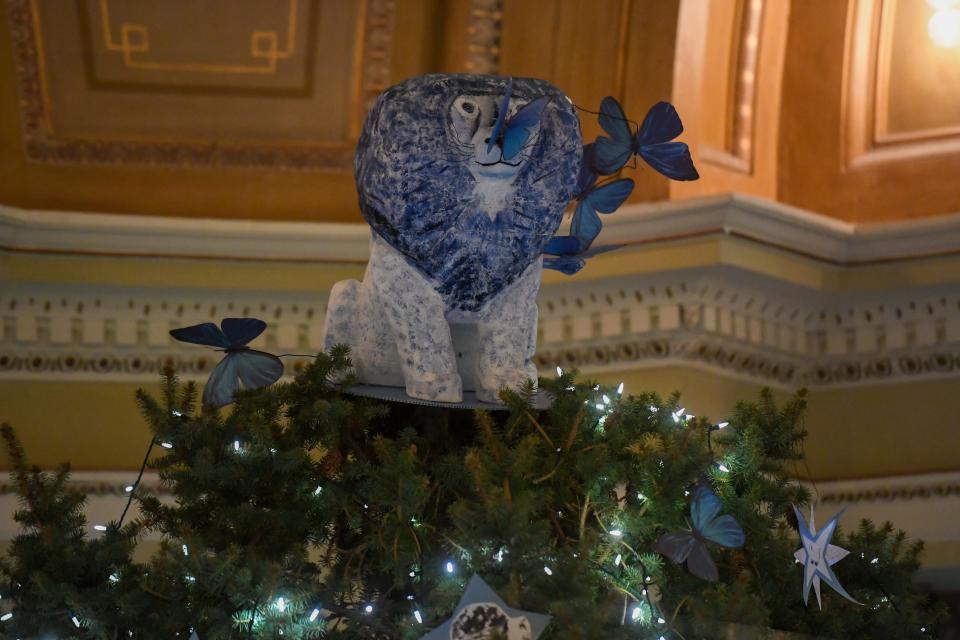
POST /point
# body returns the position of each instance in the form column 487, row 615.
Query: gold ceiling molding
column 868, row 83
column 56, row 130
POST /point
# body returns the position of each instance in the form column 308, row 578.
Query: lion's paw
column 443, row 388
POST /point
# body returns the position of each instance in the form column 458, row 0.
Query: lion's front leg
column 507, row 337
column 416, row 315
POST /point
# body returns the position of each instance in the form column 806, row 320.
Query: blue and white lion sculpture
column 448, row 300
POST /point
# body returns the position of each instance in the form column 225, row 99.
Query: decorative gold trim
column 135, row 38
column 43, row 145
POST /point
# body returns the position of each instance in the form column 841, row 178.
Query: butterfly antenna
column 597, row 113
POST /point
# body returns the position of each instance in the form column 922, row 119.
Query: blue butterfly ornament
column 652, row 142
column 706, row 524
column 513, row 134
column 242, row 366
column 567, row 253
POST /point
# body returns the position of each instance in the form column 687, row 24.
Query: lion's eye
column 468, row 107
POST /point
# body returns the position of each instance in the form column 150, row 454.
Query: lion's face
column 471, row 122
column 432, row 187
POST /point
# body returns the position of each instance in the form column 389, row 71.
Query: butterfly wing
column 240, row 331
column 700, row 564
column 562, row 246
column 257, row 369
column 585, row 225
column 676, row 546
column 704, row 507
column 661, row 124
column 207, row 334
column 725, row 531
column 501, row 116
column 521, row 126
column 672, row 159
column 614, row 121
column 222, row 383
column 568, row 265
column 608, row 197
column 704, row 515
column 610, row 154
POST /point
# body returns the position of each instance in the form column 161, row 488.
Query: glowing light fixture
column 944, row 25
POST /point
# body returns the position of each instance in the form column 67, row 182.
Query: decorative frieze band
column 730, row 319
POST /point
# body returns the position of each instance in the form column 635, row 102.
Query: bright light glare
column 944, row 28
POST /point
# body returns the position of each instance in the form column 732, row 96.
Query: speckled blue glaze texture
column 419, row 192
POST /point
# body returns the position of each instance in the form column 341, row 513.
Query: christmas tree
column 302, row 511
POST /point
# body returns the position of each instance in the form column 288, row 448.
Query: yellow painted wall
column 856, row 432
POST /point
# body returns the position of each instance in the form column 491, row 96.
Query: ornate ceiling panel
column 278, row 83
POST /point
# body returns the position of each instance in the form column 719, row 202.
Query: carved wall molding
column 43, row 145
column 723, row 317
column 734, row 323
column 771, row 224
column 483, row 36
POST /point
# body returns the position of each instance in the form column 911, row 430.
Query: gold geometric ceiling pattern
column 278, row 83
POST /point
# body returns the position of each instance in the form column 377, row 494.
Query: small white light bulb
column 661, row 621
column 641, row 497
column 620, row 389
column 176, row 412
column 418, row 616
column 6, row 617
column 875, row 561
column 449, row 567
column 114, row 578
column 636, row 613
column 314, row 615
column 723, row 468
column 100, row 527
column 547, row 570
column 166, row 445
column 606, row 399
column 75, row 621
column 281, row 604
column 618, row 560
column 722, row 425
column 236, row 446
column 368, row 608
column 128, row 488
column 186, row 551
column 616, row 533
column 559, row 372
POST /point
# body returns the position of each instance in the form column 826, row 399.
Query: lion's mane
column 417, row 192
